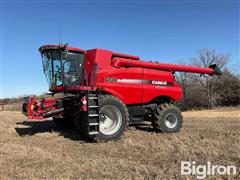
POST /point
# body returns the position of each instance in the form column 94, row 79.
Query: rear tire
column 167, row 118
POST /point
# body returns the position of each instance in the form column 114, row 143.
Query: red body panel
column 127, row 83
column 132, row 80
column 151, row 91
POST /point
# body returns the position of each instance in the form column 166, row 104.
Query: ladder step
column 93, row 132
column 93, row 106
column 92, row 97
column 93, row 124
column 93, row 115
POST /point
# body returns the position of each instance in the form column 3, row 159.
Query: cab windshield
column 62, row 69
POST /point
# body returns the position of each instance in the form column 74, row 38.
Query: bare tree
column 205, row 58
column 200, row 90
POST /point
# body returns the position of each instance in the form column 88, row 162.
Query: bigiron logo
column 202, row 171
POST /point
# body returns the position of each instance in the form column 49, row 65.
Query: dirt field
column 39, row 150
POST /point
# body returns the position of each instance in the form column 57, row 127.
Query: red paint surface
column 120, row 67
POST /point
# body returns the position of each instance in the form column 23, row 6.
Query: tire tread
column 158, row 117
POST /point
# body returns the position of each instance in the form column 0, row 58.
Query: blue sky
column 165, row 31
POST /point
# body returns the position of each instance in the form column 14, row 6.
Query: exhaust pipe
column 53, row 113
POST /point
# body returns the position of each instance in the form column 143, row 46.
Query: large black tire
column 64, row 121
column 106, row 102
column 167, row 118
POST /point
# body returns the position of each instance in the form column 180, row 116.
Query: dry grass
column 38, row 150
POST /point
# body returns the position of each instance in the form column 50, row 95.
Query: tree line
column 207, row 92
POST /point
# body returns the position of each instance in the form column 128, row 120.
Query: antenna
column 60, row 36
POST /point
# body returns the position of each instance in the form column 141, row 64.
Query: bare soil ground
column 39, row 150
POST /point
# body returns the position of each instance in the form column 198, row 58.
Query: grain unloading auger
column 102, row 91
column 121, row 62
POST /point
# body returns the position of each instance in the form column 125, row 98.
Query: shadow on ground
column 30, row 128
column 48, row 126
column 145, row 127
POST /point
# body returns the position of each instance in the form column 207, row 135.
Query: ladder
column 93, row 113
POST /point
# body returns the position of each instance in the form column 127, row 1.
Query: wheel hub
column 110, row 120
column 171, row 120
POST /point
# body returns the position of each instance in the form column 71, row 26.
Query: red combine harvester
column 104, row 91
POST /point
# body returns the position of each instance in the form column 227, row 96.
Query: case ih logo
column 161, row 83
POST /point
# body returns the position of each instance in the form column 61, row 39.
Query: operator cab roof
column 60, row 46
column 64, row 46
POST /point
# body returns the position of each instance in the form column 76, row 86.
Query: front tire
column 167, row 118
column 113, row 117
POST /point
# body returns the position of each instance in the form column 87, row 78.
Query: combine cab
column 104, row 91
